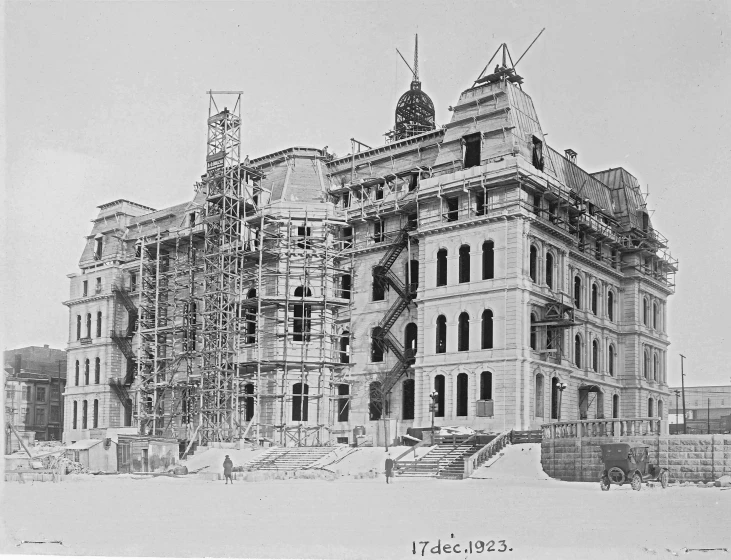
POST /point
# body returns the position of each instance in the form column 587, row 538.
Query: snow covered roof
column 84, row 444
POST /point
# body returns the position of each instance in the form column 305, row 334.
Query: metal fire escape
column 382, row 273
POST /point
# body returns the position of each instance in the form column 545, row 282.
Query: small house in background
column 136, row 453
column 94, row 454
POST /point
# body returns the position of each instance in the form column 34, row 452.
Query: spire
column 416, row 58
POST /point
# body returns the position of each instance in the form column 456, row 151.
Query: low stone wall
column 691, row 458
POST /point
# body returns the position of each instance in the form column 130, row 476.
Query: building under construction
column 465, row 274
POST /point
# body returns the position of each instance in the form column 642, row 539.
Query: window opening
column 376, row 346
column 471, row 150
column 533, row 332
column 452, row 214
column 98, row 247
column 345, row 348
column 97, row 370
column 595, row 355
column 488, row 260
column 463, row 332
column 95, row 418
column 487, row 329
column 594, row 299
column 375, row 406
column 300, row 410
column 480, row 209
column 441, row 334
column 486, row 386
column 98, row 324
column 610, row 305
column 577, row 351
column 537, row 154
column 302, row 316
column 442, row 267
column 539, row 396
column 410, row 337
column 343, row 402
column 462, row 384
column 85, row 288
column 577, row 292
column 439, row 385
column 345, row 286
column 378, row 235
column 304, row 233
column 408, row 398
column 549, row 270
column 464, row 263
column 533, row 263
column 610, row 359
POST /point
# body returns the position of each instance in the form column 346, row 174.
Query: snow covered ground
column 512, row 500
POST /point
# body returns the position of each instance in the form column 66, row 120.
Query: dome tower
column 414, row 110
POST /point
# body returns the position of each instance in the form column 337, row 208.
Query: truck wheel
column 636, row 482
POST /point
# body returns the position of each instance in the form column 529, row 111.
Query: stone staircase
column 288, row 458
column 444, row 461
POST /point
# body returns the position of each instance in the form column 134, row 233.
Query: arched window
column 345, row 348
column 345, row 286
column 300, row 402
column 408, row 399
column 250, row 318
column 595, row 355
column 88, row 325
column 86, row 371
column 646, row 312
column 655, row 367
column 249, row 390
column 486, row 386
column 610, row 305
column 539, row 396
column 487, row 330
column 343, row 402
column 533, row 332
column 97, row 370
column 76, row 377
column 615, row 406
column 655, row 315
column 577, row 350
column 376, row 345
column 462, row 383
column 441, row 334
column 549, row 270
column 98, row 324
column 464, row 263
column 95, row 416
column 439, row 386
column 610, row 359
column 650, row 408
column 594, row 299
column 84, row 414
column 488, row 260
column 74, row 418
column 646, row 365
column 442, row 267
column 577, row 292
column 533, row 263
column 78, row 327
column 302, row 316
column 660, row 408
column 463, row 332
column 410, row 335
column 378, row 290
column 375, row 404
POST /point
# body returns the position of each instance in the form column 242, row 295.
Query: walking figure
column 389, row 468
column 228, row 467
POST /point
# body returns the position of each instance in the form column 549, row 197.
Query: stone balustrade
column 609, row 427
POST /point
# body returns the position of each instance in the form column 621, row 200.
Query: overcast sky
column 107, row 100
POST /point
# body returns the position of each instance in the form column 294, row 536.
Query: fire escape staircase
column 123, row 339
column 406, row 293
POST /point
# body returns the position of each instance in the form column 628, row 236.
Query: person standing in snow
column 389, row 467
column 228, row 467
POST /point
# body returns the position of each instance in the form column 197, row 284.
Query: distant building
column 701, row 404
column 35, row 379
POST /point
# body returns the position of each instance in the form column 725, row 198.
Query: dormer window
column 537, row 154
column 471, row 150
column 98, row 246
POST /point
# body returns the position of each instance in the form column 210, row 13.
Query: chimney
column 571, row 155
column 18, row 361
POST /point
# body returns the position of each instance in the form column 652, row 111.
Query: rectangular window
column 85, row 288
column 379, row 191
column 40, row 416
column 55, row 392
column 346, row 200
column 98, row 288
column 553, row 212
column 191, row 217
column 55, row 413
column 98, row 247
column 452, row 214
column 537, row 204
column 378, row 231
column 471, row 150
column 304, row 234
column 28, row 393
column 598, row 250
column 133, row 282
column 480, row 209
column 347, row 237
column 40, row 394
